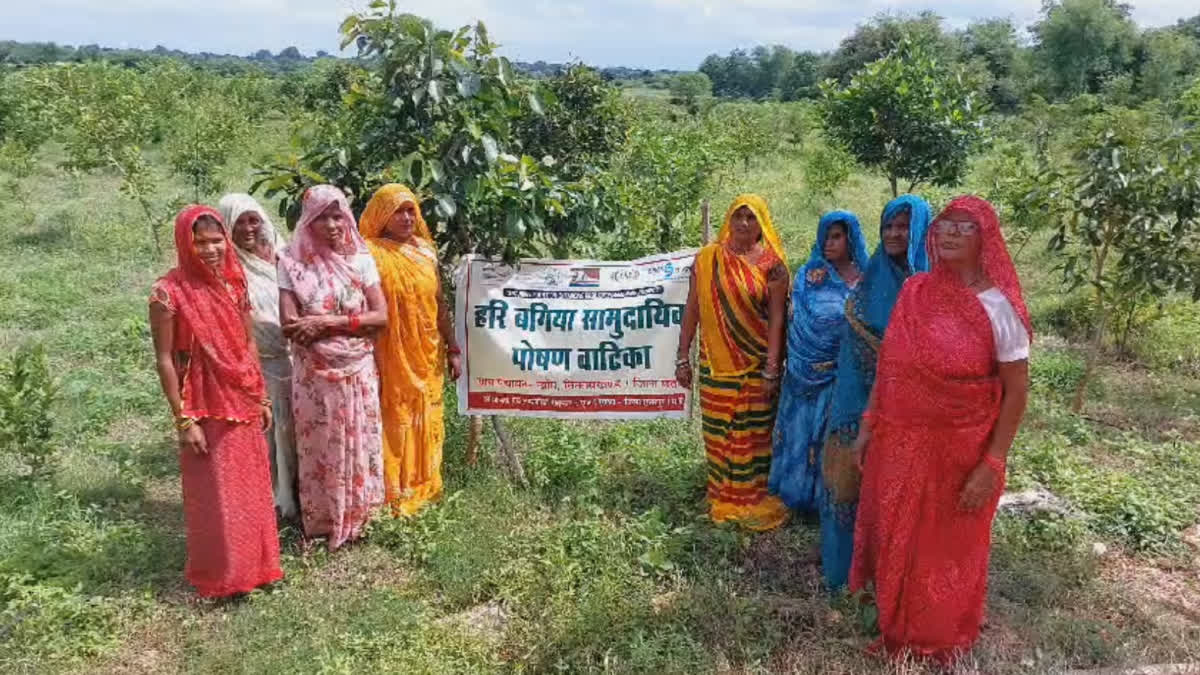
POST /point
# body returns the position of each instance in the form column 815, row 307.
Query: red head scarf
column 993, row 252
column 222, row 379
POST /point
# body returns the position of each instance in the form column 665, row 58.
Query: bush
column 42, row 625
column 27, row 393
column 1056, row 372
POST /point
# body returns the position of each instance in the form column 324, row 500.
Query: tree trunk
column 509, row 453
column 1093, row 356
column 895, row 187
column 1093, row 353
column 474, row 432
column 705, row 224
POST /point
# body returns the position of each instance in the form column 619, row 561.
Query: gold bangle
column 184, row 423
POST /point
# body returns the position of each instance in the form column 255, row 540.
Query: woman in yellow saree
column 411, row 349
column 738, row 298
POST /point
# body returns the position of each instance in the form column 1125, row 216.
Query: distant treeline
column 286, row 61
column 1076, row 47
column 35, row 53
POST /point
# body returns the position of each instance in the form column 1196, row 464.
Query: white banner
column 572, row 338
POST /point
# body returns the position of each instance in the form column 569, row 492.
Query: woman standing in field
column 257, row 244
column 330, row 303
column 947, row 402
column 737, row 299
column 900, row 253
column 818, row 316
column 205, row 356
column 411, row 350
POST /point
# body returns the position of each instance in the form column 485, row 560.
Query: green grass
column 607, row 562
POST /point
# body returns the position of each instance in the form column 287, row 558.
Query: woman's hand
column 192, row 440
column 683, row 375
column 267, row 417
column 454, row 364
column 771, row 387
column 308, row 329
column 859, row 451
column 982, row 484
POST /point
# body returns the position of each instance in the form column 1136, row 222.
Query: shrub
column 27, row 393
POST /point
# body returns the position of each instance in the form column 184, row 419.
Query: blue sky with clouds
column 642, row 33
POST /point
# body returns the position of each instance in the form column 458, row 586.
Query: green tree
column 802, row 79
column 1081, row 43
column 441, row 111
column 881, row 35
column 1167, row 60
column 908, row 115
column 1129, row 228
column 208, row 132
column 993, row 44
column 584, row 124
column 689, row 88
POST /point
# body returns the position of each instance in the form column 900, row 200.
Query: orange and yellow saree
column 409, row 353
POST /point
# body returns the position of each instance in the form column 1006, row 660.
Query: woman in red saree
column 948, row 398
column 208, row 365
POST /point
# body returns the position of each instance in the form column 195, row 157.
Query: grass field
column 607, row 563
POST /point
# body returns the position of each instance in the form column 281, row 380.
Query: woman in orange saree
column 412, row 349
column 737, row 300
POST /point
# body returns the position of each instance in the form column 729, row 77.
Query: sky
column 675, row 34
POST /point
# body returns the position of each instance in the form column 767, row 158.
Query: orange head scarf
column 385, row 202
column 759, row 206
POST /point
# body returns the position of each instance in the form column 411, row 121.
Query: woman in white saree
column 257, row 243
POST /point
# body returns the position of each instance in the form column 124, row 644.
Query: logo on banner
column 585, row 277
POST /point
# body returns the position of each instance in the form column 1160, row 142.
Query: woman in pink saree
column 330, row 303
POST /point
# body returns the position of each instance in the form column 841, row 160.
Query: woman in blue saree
column 901, row 252
column 818, row 313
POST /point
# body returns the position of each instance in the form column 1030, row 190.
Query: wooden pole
column 509, row 453
column 474, row 431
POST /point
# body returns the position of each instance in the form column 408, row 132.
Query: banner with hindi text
column 572, row 338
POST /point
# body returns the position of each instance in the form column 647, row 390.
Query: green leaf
column 505, row 72
column 469, row 85
column 535, row 105
column 490, row 149
column 514, row 225
column 445, row 206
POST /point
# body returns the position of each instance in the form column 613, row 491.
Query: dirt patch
column 154, row 645
column 1169, row 599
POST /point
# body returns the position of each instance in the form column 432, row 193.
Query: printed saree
column 335, row 387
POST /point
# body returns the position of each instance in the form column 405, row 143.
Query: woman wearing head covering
column 900, row 253
column 737, row 299
column 818, row 316
column 330, row 304
column 205, row 356
column 412, row 350
column 947, row 401
column 257, row 245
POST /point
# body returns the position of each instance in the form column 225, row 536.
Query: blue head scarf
column 818, row 302
column 868, row 311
